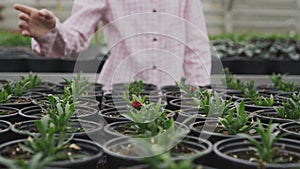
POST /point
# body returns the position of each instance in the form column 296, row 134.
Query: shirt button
column 154, row 39
column 154, row 10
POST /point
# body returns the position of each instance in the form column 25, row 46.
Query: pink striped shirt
column 157, row 41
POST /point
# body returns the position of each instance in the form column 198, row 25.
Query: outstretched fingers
column 23, row 8
column 24, row 28
column 24, row 17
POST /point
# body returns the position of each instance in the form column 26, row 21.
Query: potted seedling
column 209, row 106
column 194, row 100
column 68, row 152
column 128, row 151
column 36, row 162
column 268, row 150
column 236, row 120
column 291, row 129
column 86, row 93
column 289, row 111
column 189, row 153
column 145, row 120
column 284, row 86
column 10, row 96
column 60, row 113
column 123, row 98
column 262, row 103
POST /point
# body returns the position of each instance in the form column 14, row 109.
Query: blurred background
column 222, row 16
column 251, row 30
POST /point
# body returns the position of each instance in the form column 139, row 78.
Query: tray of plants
column 73, row 123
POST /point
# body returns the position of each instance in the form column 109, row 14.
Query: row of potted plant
column 164, row 128
column 56, row 136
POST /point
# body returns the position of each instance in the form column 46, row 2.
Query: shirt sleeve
column 197, row 59
column 69, row 38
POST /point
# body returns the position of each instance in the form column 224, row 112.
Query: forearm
column 59, row 42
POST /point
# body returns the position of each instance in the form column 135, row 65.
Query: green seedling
column 264, row 101
column 4, row 96
column 265, row 147
column 290, row 109
column 237, row 120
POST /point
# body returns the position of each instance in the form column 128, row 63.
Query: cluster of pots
column 101, row 131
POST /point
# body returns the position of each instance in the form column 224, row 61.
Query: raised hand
column 35, row 23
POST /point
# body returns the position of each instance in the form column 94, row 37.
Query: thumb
column 45, row 13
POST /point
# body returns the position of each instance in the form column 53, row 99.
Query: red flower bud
column 136, row 104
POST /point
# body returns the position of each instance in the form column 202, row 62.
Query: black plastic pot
column 87, row 102
column 208, row 130
column 123, row 86
column 111, row 130
column 190, row 116
column 251, row 107
column 225, row 148
column 269, row 89
column 119, row 95
column 5, row 133
column 112, row 115
column 115, row 160
column 183, row 103
column 9, row 114
column 91, row 86
column 172, row 95
column 45, row 88
column 92, row 152
column 14, row 103
column 35, row 96
column 270, row 115
column 88, row 129
column 291, row 129
column 145, row 166
column 81, row 112
column 169, row 88
column 120, row 104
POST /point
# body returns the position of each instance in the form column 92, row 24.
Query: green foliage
column 280, row 84
column 13, row 39
column 212, row 103
column 36, row 162
column 231, row 82
column 295, row 97
column 264, row 101
column 219, row 106
column 159, row 147
column 204, row 102
column 15, row 89
column 134, row 88
column 31, row 81
column 248, row 37
column 77, row 86
column 290, row 109
column 250, row 90
column 60, row 112
column 188, row 89
column 4, row 96
column 237, row 120
column 165, row 161
column 265, row 149
column 272, row 47
column 47, row 142
column 149, row 119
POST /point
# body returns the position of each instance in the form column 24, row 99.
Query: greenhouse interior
column 140, row 84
